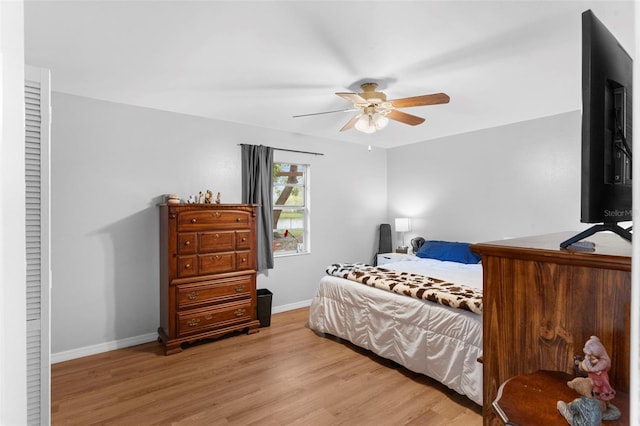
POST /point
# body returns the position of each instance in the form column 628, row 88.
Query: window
column 290, row 208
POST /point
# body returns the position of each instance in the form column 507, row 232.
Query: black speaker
column 384, row 242
column 384, row 245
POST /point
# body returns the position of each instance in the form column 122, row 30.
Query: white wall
column 111, row 165
column 510, row 181
column 13, row 346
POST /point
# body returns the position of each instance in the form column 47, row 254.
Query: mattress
column 441, row 342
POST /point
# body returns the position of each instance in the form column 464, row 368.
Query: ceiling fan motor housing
column 369, row 93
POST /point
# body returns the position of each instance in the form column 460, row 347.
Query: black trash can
column 264, row 307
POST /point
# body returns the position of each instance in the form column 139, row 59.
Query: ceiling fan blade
column 351, row 123
column 434, row 99
column 354, row 98
column 405, row 118
column 326, row 112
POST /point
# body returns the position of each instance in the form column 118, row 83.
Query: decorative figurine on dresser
column 593, row 406
column 207, row 272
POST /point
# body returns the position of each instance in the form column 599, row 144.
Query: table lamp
column 402, row 226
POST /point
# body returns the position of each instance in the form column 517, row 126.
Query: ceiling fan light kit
column 377, row 111
column 371, row 122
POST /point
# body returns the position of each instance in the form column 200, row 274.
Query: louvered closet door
column 37, row 177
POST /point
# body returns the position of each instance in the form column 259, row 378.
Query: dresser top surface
column 608, row 248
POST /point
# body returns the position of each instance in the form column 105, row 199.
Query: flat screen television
column 607, row 71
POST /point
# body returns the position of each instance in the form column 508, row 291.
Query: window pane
column 289, row 219
column 288, row 234
column 290, row 214
column 286, row 195
column 288, row 173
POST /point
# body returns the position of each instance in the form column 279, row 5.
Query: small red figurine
column 597, row 365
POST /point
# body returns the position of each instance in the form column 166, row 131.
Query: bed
column 442, row 342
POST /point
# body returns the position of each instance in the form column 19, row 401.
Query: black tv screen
column 607, row 71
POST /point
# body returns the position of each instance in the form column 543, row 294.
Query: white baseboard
column 291, row 306
column 103, row 347
column 144, row 338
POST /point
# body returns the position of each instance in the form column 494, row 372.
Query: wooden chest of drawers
column 207, row 272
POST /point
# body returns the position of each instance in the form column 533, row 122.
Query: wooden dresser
column 207, row 272
column 542, row 303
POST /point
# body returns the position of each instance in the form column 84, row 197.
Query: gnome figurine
column 592, row 407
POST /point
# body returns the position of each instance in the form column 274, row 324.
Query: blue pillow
column 449, row 251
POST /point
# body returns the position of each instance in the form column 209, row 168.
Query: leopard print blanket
column 413, row 285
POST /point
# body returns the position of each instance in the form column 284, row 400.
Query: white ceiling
column 261, row 62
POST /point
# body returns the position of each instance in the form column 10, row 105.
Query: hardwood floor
column 285, row 374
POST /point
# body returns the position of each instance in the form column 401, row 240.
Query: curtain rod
column 291, row 150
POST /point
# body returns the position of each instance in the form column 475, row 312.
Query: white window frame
column 306, row 240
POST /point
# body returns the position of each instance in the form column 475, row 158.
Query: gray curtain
column 257, row 181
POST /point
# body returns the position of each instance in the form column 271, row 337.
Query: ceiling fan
column 376, row 110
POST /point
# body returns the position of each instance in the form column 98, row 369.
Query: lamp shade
column 380, row 121
column 365, row 124
column 402, row 224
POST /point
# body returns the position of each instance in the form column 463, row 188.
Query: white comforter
column 441, row 342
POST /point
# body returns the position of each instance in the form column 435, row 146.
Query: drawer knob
column 193, row 220
column 239, row 312
column 244, row 239
column 187, row 266
column 187, row 243
column 193, row 295
column 217, row 236
column 238, row 219
column 217, row 257
column 239, row 288
column 243, row 260
column 217, row 214
column 193, row 322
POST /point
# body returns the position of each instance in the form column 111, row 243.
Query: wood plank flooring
column 284, row 375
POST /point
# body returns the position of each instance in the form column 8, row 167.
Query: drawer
column 195, row 321
column 214, row 291
column 244, row 239
column 216, row 263
column 187, row 243
column 245, row 260
column 209, row 242
column 202, row 220
column 187, row 266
